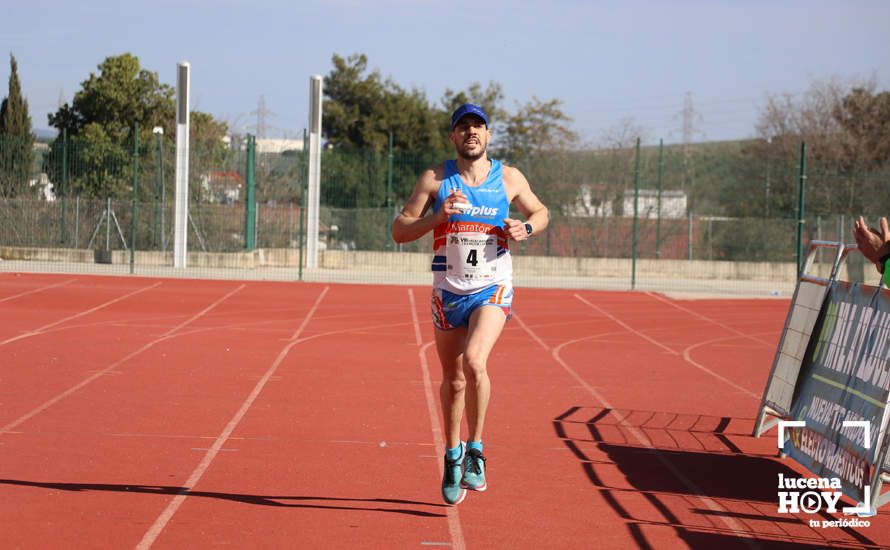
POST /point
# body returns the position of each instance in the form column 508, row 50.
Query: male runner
column 469, row 200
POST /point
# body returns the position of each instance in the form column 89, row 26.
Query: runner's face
column 470, row 137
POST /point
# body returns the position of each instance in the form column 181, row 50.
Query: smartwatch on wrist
column 528, row 230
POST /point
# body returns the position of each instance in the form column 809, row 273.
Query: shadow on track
column 692, row 477
column 321, row 503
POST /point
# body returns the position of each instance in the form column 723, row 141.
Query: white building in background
column 268, row 145
column 223, row 187
column 43, row 187
column 265, row 145
column 589, row 205
column 673, row 203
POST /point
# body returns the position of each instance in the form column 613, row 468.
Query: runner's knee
column 455, row 384
column 474, row 366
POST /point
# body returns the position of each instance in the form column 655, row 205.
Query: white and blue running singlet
column 470, row 251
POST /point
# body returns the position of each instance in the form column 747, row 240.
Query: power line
column 261, row 113
column 688, row 115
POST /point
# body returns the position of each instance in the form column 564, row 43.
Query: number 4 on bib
column 471, row 258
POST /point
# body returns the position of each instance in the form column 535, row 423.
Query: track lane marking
column 36, row 290
column 641, row 437
column 39, row 330
column 454, row 527
column 98, row 374
column 164, row 518
column 710, row 320
column 685, row 354
column 626, row 326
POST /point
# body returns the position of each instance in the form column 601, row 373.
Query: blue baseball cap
column 468, row 109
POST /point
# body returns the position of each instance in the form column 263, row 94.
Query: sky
column 609, row 62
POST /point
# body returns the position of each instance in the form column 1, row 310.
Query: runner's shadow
column 288, row 501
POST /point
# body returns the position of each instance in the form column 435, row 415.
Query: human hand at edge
column 872, row 243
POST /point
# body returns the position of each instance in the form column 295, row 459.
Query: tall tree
column 362, row 108
column 120, row 95
column 845, row 126
column 539, row 140
column 489, row 98
column 100, row 121
column 787, row 119
column 101, row 118
column 865, row 117
column 539, row 127
column 206, row 136
column 16, row 139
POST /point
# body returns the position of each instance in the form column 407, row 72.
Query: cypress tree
column 16, row 139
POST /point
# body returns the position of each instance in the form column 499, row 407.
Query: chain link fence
column 710, row 217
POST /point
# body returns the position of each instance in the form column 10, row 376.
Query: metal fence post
column 801, row 193
column 305, row 176
column 159, row 230
column 64, row 184
column 250, row 196
column 76, row 219
column 389, row 189
column 633, row 253
column 135, row 196
column 660, row 190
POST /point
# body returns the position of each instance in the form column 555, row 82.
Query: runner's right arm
column 412, row 222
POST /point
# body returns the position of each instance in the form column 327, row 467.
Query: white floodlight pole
column 314, row 180
column 181, row 210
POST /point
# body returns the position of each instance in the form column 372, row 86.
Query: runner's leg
column 486, row 324
column 450, row 345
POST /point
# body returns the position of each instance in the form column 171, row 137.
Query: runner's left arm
column 528, row 204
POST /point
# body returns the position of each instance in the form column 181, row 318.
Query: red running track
column 180, row 413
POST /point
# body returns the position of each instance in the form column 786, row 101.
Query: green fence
column 709, row 217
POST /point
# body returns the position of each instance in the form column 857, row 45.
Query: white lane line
column 454, row 527
column 37, row 331
column 626, row 326
column 685, row 355
column 169, row 334
column 643, row 440
column 710, row 320
column 161, row 522
column 36, row 290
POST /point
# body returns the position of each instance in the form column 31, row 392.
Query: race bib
column 472, row 256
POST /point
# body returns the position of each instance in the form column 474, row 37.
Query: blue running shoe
column 474, row 471
column 452, row 491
